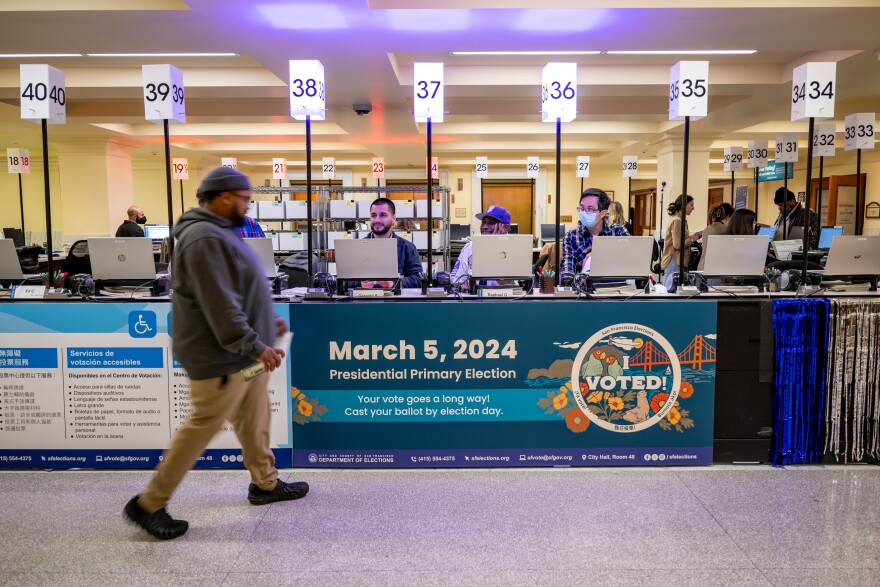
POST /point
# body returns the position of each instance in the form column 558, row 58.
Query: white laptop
column 853, row 255
column 735, row 255
column 263, row 248
column 10, row 268
column 371, row 258
column 621, row 256
column 508, row 255
column 122, row 258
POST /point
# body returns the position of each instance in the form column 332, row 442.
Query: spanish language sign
column 96, row 385
column 503, row 384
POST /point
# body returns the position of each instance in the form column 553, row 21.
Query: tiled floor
column 686, row 526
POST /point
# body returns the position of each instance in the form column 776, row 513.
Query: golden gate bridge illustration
column 699, row 351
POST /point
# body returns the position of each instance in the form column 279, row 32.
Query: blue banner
column 503, row 384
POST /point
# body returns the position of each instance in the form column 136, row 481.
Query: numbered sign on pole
column 812, row 90
column 482, row 168
column 733, row 158
column 630, row 166
column 786, row 148
column 328, row 168
column 859, row 131
column 583, row 166
column 823, row 140
column 279, row 168
column 163, row 93
column 229, row 162
column 378, row 168
column 435, row 167
column 757, row 154
column 428, row 92
column 559, row 92
column 18, row 161
column 307, row 96
column 689, row 90
column 533, row 166
column 43, row 94
column 179, row 168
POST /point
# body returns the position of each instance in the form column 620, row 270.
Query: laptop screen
column 122, row 258
column 373, row 258
column 826, row 234
column 767, row 231
column 10, row 268
column 156, row 231
column 263, row 248
column 548, row 232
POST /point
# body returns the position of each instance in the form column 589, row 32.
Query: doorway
column 517, row 196
column 838, row 205
column 644, row 212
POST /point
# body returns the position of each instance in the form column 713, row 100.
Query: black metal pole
column 309, row 195
column 168, row 185
column 629, row 195
column 662, row 190
column 49, row 270
column 558, row 194
column 756, row 193
column 785, row 203
column 807, row 223
column 181, row 197
column 732, row 189
column 684, row 187
column 21, row 205
column 430, row 200
column 819, row 191
column 858, row 191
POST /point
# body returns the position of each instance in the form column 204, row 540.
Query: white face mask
column 588, row 219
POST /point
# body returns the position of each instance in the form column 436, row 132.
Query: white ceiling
column 238, row 106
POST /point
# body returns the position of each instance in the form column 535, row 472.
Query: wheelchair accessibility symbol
column 142, row 324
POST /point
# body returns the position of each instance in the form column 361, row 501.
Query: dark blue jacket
column 408, row 262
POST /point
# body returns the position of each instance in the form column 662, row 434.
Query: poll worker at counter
column 796, row 215
column 494, row 221
column 223, row 322
column 719, row 217
column 131, row 226
column 672, row 244
column 409, row 267
column 578, row 243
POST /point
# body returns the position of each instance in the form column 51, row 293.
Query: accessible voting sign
column 96, row 385
column 503, row 384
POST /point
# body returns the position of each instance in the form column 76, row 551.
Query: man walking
column 223, row 322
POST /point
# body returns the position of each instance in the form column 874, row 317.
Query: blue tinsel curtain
column 800, row 333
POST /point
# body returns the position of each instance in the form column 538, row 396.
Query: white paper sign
column 533, row 166
column 328, row 168
column 823, row 140
column 378, row 167
column 630, row 166
column 29, row 292
column 559, row 92
column 583, row 166
column 179, row 168
column 435, row 170
column 307, row 94
column 859, row 131
column 812, row 90
column 733, row 158
column 428, row 92
column 482, row 168
column 757, row 154
column 229, row 162
column 279, row 168
column 43, row 94
column 18, row 161
column 786, row 148
column 163, row 93
column 689, row 90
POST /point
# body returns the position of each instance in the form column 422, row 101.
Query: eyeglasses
column 588, row 210
column 247, row 199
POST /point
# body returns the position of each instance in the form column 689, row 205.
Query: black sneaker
column 282, row 492
column 158, row 524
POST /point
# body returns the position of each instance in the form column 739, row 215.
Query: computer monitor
column 507, row 256
column 15, row 235
column 548, row 232
column 156, row 231
column 10, row 267
column 514, row 229
column 372, row 258
column 796, row 233
column 263, row 248
column 826, row 234
column 122, row 258
column 459, row 232
column 767, row 231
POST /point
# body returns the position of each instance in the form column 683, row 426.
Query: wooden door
column 515, row 195
column 839, row 204
column 644, row 212
column 716, row 196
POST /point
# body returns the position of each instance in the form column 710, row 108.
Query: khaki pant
column 214, row 402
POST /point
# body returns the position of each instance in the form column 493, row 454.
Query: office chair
column 27, row 258
column 78, row 260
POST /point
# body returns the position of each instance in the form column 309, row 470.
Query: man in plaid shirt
column 578, row 243
column 250, row 229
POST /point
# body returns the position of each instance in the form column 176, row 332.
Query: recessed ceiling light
column 37, row 55
column 688, row 52
column 161, row 54
column 525, row 52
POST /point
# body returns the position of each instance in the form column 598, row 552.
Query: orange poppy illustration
column 576, row 421
column 658, row 401
column 686, row 391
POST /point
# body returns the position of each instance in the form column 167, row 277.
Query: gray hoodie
column 221, row 309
